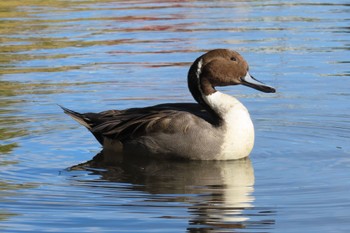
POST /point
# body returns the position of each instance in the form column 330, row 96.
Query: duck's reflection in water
column 216, row 193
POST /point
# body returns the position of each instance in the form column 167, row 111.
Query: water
column 98, row 55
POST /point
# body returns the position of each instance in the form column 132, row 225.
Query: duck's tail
column 77, row 116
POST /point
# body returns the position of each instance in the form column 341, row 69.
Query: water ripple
column 97, row 55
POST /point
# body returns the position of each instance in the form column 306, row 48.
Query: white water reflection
column 215, row 193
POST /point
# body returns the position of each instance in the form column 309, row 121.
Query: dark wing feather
column 127, row 125
column 133, row 122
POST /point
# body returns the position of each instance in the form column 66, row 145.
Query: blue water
column 98, row 55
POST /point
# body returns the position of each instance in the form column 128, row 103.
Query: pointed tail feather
column 77, row 116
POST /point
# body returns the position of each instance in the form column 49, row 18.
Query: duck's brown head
column 221, row 67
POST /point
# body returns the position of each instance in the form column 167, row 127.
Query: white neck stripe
column 199, row 68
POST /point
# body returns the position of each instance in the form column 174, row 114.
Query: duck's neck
column 194, row 85
column 216, row 103
column 223, row 105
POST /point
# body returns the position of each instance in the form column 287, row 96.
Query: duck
column 217, row 127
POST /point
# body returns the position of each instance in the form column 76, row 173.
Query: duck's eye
column 233, row 59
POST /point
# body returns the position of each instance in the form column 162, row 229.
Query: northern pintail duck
column 217, row 128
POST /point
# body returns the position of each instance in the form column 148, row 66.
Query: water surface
column 98, row 55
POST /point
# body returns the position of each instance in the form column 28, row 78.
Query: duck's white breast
column 238, row 129
column 239, row 135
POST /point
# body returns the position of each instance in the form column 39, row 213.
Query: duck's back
column 181, row 130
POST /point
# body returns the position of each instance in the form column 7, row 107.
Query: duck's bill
column 250, row 81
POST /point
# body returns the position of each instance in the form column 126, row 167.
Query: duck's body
column 218, row 128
